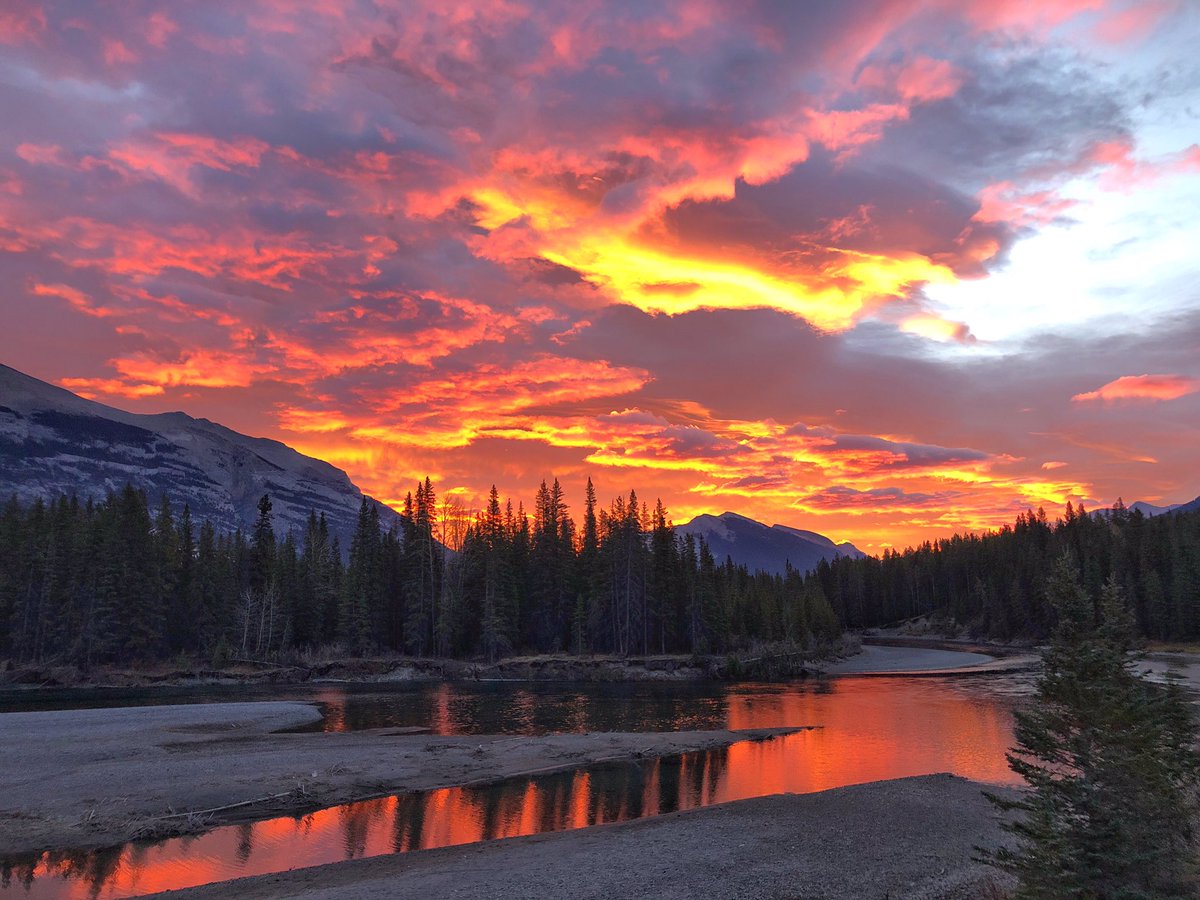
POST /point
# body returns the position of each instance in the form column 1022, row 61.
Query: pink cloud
column 76, row 298
column 21, row 22
column 1135, row 22
column 1142, row 387
column 921, row 79
column 41, row 154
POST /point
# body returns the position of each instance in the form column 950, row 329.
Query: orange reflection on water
column 868, row 730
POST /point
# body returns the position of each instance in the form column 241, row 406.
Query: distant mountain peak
column 1149, row 509
column 738, row 516
column 757, row 546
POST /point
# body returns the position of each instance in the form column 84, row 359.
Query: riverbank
column 893, row 653
column 97, row 777
column 905, row 838
column 917, row 657
column 767, row 663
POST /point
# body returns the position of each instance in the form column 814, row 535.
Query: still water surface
column 867, row 729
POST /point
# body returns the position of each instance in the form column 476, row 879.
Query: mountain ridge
column 761, row 547
column 1148, row 509
column 53, row 441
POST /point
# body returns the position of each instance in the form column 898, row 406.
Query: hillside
column 54, row 442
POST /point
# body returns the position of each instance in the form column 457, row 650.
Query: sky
column 887, row 270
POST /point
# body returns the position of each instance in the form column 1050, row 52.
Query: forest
column 123, row 580
column 994, row 583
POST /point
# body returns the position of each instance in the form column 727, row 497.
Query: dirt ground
column 96, row 777
column 907, row 838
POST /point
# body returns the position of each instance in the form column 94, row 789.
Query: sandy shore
column 908, row 838
column 88, row 778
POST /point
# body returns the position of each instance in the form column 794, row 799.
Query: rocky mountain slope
column 53, row 441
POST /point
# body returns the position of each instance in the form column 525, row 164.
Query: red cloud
column 1143, row 387
column 169, row 156
column 78, row 299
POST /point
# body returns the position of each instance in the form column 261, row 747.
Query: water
column 532, row 708
column 869, row 729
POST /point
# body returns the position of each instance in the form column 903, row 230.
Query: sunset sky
column 886, row 270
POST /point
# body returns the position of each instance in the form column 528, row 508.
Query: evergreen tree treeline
column 114, row 582
column 995, row 583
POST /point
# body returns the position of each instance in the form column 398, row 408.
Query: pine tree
column 360, row 589
column 262, row 544
column 1111, row 764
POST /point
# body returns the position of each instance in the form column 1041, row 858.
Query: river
column 860, row 729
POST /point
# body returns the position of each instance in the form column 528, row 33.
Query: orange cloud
column 390, row 232
column 132, row 250
column 1142, row 387
column 97, row 388
column 752, row 466
column 937, row 329
column 198, row 368
column 549, row 202
column 432, row 326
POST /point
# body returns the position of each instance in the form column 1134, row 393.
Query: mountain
column 1147, row 509
column 758, row 546
column 53, row 441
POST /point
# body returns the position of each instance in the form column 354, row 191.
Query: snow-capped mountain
column 759, row 547
column 53, row 441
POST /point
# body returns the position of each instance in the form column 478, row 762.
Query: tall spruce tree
column 361, row 589
column 1111, row 763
